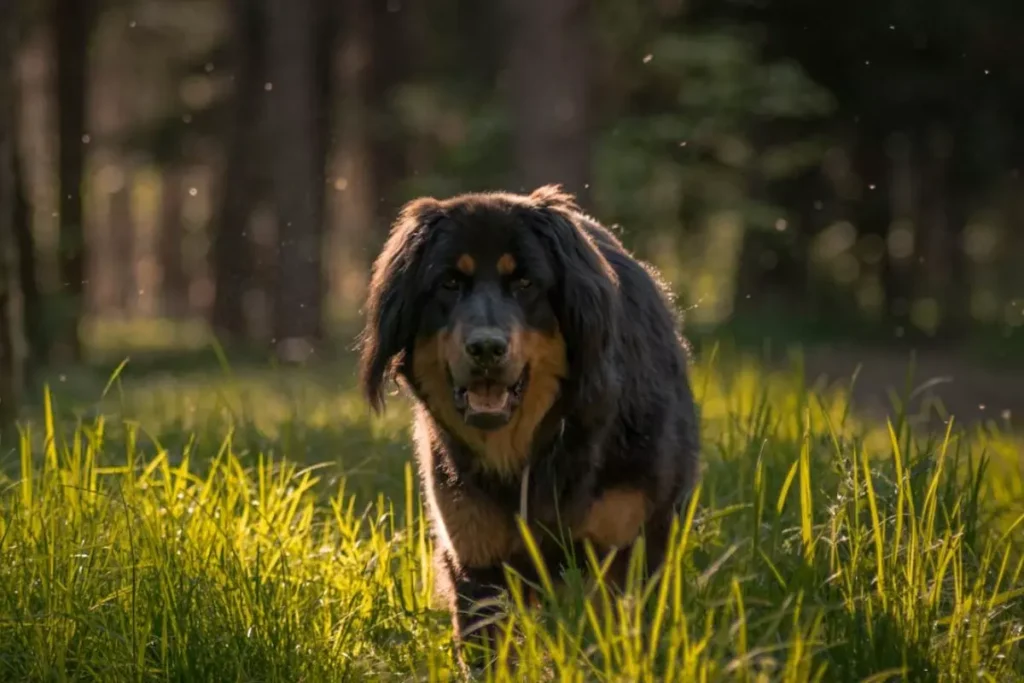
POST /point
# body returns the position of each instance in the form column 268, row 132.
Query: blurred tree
column 693, row 130
column 33, row 313
column 293, row 145
column 325, row 36
column 73, row 22
column 232, row 254
column 836, row 161
column 445, row 109
column 185, row 125
column 9, row 373
column 123, row 237
column 388, row 24
column 920, row 137
column 548, row 90
column 173, row 276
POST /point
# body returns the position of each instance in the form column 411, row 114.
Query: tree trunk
column 943, row 274
column 10, row 379
column 299, row 288
column 898, row 223
column 325, row 36
column 33, row 315
column 548, row 89
column 351, row 205
column 122, row 234
column 326, row 23
column 173, row 278
column 73, row 23
column 388, row 66
column 232, row 245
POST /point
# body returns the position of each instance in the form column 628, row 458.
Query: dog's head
column 491, row 306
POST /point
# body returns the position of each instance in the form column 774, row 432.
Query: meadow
column 239, row 522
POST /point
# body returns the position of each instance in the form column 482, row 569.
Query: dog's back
column 655, row 439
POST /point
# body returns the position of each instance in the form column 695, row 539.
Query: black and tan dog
column 549, row 379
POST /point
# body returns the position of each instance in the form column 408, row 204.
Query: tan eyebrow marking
column 466, row 264
column 506, row 264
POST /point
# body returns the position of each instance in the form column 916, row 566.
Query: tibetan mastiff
column 549, row 379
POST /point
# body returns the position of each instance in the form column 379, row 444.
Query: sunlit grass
column 259, row 526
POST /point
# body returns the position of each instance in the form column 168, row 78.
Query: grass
column 257, row 525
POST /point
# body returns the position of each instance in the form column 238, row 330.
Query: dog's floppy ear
column 587, row 299
column 391, row 308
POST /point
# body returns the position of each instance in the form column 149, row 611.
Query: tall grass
column 818, row 548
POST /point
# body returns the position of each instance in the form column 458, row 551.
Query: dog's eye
column 451, row 283
column 521, row 284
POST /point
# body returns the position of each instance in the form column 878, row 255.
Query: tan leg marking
column 616, row 518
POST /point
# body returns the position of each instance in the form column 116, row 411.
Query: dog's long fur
column 607, row 424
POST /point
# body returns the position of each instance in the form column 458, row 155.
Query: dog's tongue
column 488, row 398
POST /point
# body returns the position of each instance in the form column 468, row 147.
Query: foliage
column 880, row 122
column 686, row 138
column 186, row 529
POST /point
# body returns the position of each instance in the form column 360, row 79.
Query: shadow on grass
column 191, row 402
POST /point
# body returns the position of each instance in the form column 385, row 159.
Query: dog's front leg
column 474, row 600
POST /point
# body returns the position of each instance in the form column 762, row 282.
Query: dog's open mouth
column 489, row 404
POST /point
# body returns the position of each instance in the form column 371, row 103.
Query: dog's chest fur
column 473, row 508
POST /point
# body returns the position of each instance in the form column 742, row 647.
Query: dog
column 549, row 378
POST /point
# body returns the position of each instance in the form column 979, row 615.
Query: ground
column 209, row 521
column 948, row 383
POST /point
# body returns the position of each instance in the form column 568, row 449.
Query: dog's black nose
column 487, row 347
